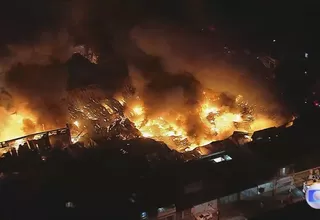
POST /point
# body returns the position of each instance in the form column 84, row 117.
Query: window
column 221, row 159
column 218, row 159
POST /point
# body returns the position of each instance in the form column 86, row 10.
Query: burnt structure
column 106, row 70
column 139, row 178
column 54, row 138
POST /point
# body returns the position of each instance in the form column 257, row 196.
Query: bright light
column 144, row 215
column 218, row 159
column 76, row 123
column 138, row 110
column 274, row 41
column 217, row 121
column 70, row 205
column 227, row 157
column 237, row 118
column 306, row 55
column 75, row 139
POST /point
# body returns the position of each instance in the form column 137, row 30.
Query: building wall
column 280, row 183
column 284, row 184
column 185, row 214
column 249, row 193
column 228, row 199
column 268, row 187
column 167, row 213
column 302, row 176
column 207, row 206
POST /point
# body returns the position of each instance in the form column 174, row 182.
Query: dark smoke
column 173, row 61
column 163, row 91
column 181, row 50
column 41, row 89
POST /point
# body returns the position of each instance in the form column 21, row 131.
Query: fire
column 207, row 109
column 15, row 126
column 217, row 122
column 181, row 129
column 77, row 123
column 138, row 110
column 127, row 116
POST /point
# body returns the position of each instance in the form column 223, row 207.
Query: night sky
column 288, row 20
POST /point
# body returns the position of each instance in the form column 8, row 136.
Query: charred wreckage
column 95, row 115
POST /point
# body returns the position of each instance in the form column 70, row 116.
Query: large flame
column 18, row 124
column 181, row 129
column 217, row 122
column 184, row 128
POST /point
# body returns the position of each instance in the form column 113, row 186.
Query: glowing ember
column 137, row 110
column 217, row 122
column 210, row 119
column 194, row 123
column 213, row 117
column 76, row 123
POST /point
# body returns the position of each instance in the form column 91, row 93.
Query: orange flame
column 14, row 126
column 217, row 123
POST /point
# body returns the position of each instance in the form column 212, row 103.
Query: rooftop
column 151, row 175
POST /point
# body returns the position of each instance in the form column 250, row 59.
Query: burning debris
column 196, row 122
column 40, row 141
column 219, row 118
column 219, row 114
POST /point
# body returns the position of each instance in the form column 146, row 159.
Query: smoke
column 179, row 50
column 172, row 66
column 169, row 66
column 162, row 91
column 35, row 76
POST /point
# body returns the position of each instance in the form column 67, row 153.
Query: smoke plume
column 169, row 65
column 178, row 50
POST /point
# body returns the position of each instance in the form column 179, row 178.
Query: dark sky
column 290, row 20
column 250, row 24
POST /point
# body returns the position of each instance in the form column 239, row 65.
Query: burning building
column 42, row 140
column 186, row 117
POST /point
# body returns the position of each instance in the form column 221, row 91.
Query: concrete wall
column 207, row 206
column 167, row 213
column 277, row 185
column 249, row 193
column 268, row 187
column 284, row 184
column 185, row 214
column 229, row 199
column 301, row 177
